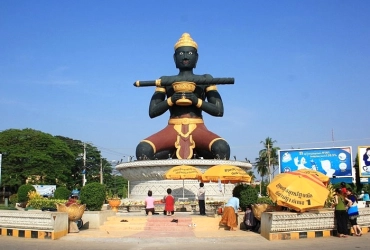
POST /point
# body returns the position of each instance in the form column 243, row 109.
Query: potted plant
column 114, row 201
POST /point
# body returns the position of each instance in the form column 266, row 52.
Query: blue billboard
column 364, row 160
column 333, row 162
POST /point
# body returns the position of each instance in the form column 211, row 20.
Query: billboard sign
column 333, row 162
column 364, row 161
column 45, row 190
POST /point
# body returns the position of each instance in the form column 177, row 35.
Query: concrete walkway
column 141, row 232
column 141, row 226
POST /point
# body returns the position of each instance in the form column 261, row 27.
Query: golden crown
column 186, row 40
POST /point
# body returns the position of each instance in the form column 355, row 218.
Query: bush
column 247, row 195
column 265, row 200
column 93, row 195
column 45, row 203
column 23, row 192
column 62, row 193
column 13, row 199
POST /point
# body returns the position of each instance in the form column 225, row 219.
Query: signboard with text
column 45, row 190
column 333, row 162
column 364, row 161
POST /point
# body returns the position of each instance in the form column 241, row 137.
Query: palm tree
column 251, row 174
column 268, row 157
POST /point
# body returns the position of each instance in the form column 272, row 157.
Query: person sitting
column 149, row 203
column 249, row 220
column 169, row 200
column 72, row 200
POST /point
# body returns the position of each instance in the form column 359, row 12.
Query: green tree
column 92, row 163
column 117, row 185
column 35, row 156
column 251, row 174
column 268, row 158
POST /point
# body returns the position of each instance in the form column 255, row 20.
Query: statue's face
column 186, row 57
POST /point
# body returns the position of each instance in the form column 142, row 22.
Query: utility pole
column 0, row 177
column 269, row 161
column 101, row 171
column 332, row 136
column 0, row 167
column 84, row 167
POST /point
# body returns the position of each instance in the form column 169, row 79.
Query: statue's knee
column 221, row 149
column 144, row 151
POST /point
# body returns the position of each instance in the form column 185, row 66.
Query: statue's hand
column 192, row 97
column 176, row 96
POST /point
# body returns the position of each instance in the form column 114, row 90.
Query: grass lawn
column 9, row 207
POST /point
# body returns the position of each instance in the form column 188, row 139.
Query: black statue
column 184, row 96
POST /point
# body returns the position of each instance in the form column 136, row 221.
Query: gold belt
column 178, row 121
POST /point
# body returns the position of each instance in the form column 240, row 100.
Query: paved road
column 250, row 241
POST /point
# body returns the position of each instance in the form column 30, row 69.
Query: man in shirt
column 201, row 199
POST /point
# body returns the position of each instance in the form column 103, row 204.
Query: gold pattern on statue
column 158, row 82
column 178, row 148
column 151, row 144
column 178, row 129
column 186, row 40
column 212, row 87
column 174, row 121
column 184, row 87
column 213, row 141
column 160, row 89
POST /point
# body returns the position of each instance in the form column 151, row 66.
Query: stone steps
column 148, row 223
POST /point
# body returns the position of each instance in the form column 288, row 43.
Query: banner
column 333, row 162
column 1, row 157
column 364, row 161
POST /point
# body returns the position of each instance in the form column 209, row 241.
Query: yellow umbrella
column 298, row 191
column 226, row 174
column 183, row 172
column 325, row 179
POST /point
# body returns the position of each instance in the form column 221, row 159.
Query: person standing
column 149, row 203
column 343, row 187
column 340, row 213
column 201, row 199
column 361, row 196
column 352, row 201
column 229, row 217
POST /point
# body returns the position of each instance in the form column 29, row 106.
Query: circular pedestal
column 149, row 175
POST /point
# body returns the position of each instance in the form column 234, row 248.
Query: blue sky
column 301, row 69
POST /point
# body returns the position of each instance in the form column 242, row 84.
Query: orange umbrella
column 226, row 174
column 183, row 172
column 298, row 191
column 325, row 179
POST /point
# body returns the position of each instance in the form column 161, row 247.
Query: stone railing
column 316, row 220
column 192, row 207
column 33, row 224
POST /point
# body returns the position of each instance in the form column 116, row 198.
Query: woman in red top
column 343, row 188
column 169, row 200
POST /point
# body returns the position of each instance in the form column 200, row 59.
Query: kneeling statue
column 186, row 96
